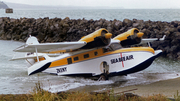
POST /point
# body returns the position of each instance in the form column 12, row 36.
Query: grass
column 38, row 94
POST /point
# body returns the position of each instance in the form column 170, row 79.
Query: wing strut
column 37, row 54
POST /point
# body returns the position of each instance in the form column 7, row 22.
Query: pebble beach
column 167, row 88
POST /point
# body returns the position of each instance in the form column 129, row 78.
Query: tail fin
column 32, row 40
column 163, row 38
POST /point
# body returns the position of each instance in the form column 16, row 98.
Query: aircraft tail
column 32, row 40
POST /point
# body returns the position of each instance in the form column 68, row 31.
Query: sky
column 128, row 4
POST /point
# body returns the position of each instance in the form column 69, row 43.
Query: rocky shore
column 58, row 30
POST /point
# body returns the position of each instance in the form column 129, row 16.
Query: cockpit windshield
column 115, row 46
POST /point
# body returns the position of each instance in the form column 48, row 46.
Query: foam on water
column 63, row 87
column 73, row 83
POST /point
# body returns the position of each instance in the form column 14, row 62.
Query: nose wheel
column 103, row 77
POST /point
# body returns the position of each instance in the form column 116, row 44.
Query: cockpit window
column 115, row 46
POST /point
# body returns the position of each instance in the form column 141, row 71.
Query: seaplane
column 94, row 55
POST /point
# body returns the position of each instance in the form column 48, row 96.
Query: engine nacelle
column 98, row 38
column 131, row 37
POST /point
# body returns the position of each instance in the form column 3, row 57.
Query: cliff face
column 3, row 5
column 57, row 30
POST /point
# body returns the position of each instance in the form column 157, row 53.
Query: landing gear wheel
column 103, row 77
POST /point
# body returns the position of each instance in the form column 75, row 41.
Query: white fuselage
column 112, row 63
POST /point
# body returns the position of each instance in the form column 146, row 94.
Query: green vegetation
column 38, row 94
column 177, row 96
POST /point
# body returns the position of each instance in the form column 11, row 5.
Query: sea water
column 96, row 14
column 14, row 78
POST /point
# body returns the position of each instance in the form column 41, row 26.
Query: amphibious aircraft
column 94, row 55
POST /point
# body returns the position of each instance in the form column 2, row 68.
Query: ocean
column 15, row 80
column 96, row 14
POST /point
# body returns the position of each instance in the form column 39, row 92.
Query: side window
column 69, row 60
column 76, row 58
column 105, row 50
column 115, row 46
column 86, row 56
column 95, row 53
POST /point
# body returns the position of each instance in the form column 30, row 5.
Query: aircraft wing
column 152, row 39
column 48, row 47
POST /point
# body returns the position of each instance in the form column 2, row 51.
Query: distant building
column 9, row 10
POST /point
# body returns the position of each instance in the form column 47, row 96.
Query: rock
column 65, row 25
column 122, row 29
column 170, row 56
column 178, row 28
column 135, row 25
column 117, row 24
column 1, row 32
column 173, row 48
column 177, row 35
column 57, row 29
column 172, row 30
column 8, row 37
column 127, row 22
column 109, row 29
column 174, row 23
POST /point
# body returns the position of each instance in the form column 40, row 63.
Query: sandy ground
column 167, row 88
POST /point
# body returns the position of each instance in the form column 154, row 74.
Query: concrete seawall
column 58, row 30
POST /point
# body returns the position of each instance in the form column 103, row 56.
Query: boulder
column 57, row 30
column 178, row 28
column 127, row 22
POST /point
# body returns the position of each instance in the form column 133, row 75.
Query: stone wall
column 58, row 30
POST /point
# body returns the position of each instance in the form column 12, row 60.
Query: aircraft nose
column 33, row 69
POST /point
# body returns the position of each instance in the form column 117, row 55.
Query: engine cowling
column 98, row 38
column 131, row 37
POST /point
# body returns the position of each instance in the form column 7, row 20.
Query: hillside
column 3, row 5
column 42, row 7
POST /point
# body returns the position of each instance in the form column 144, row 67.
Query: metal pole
column 37, row 55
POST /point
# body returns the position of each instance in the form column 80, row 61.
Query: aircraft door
column 104, row 67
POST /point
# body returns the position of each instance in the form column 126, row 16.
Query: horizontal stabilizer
column 152, row 39
column 48, row 47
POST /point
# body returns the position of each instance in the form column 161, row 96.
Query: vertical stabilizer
column 32, row 40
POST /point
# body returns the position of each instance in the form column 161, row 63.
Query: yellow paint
column 59, row 63
column 140, row 34
column 40, row 59
column 124, row 35
column 62, row 62
column 148, row 49
column 80, row 56
column 91, row 55
column 108, row 35
column 58, row 51
column 90, row 37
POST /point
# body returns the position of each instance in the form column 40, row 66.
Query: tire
column 103, row 77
